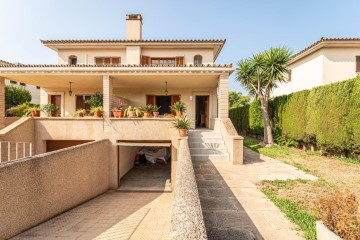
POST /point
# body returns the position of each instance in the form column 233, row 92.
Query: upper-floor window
column 107, row 61
column 72, row 60
column 198, row 60
column 357, row 63
column 162, row 61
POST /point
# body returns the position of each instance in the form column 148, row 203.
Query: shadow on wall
column 224, row 216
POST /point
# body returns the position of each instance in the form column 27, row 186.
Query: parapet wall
column 37, row 188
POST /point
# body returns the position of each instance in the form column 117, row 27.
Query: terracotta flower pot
column 179, row 114
column 183, row 132
column 147, row 114
column 35, row 113
column 156, row 114
column 118, row 113
column 81, row 115
column 97, row 114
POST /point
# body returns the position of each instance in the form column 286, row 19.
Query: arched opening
column 198, row 60
column 72, row 60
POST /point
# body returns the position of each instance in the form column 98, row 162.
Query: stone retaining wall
column 186, row 220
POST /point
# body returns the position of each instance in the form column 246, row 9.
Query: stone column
column 223, row 96
column 2, row 103
column 108, row 95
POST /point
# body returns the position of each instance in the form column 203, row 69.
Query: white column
column 223, row 97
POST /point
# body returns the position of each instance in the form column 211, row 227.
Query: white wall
column 340, row 64
column 87, row 56
column 305, row 74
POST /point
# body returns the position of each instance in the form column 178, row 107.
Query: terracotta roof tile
column 104, row 66
column 134, row 41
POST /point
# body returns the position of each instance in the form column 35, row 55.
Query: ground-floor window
column 163, row 101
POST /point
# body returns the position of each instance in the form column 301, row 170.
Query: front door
column 56, row 100
column 202, row 111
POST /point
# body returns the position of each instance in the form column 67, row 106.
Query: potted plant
column 97, row 111
column 147, row 110
column 118, row 111
column 132, row 112
column 80, row 112
column 155, row 111
column 95, row 100
column 35, row 111
column 49, row 109
column 179, row 107
column 182, row 124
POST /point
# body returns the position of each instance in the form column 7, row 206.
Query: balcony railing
column 10, row 151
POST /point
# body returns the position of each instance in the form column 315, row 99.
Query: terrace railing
column 10, row 151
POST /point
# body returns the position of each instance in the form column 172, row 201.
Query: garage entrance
column 144, row 166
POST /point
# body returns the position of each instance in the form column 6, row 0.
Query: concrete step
column 212, row 157
column 210, row 151
column 204, row 134
column 206, row 139
column 206, row 145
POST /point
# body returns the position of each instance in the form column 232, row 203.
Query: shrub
column 327, row 116
column 15, row 96
column 21, row 110
column 339, row 212
column 95, row 100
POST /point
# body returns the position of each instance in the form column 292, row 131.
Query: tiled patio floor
column 234, row 208
column 113, row 215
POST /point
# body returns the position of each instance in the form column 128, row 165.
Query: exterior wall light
column 70, row 92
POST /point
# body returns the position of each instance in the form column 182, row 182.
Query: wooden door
column 56, row 100
column 174, row 99
column 150, row 99
column 207, row 112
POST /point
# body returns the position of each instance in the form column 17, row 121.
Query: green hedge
column 328, row 116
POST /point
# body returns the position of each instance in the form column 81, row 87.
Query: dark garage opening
column 144, row 167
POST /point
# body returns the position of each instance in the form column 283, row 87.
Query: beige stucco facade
column 325, row 62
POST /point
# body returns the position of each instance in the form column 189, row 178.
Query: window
column 23, row 84
column 80, row 102
column 72, row 60
column 13, row 82
column 37, row 87
column 162, row 61
column 107, row 61
column 198, row 60
column 357, row 63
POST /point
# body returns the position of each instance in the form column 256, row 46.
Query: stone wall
column 186, row 220
column 37, row 188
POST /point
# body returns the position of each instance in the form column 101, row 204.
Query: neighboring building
column 34, row 90
column 326, row 61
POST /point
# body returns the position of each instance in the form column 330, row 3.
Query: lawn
column 298, row 199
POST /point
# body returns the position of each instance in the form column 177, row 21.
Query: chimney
column 133, row 27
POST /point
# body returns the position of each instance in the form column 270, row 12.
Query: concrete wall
column 305, row 74
column 36, row 189
column 10, row 120
column 339, row 64
column 126, row 159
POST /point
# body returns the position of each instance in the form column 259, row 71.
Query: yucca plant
column 97, row 111
column 133, row 112
column 179, row 107
column 182, row 124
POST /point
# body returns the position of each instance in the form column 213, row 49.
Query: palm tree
column 260, row 74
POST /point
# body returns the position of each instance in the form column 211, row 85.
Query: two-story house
column 136, row 72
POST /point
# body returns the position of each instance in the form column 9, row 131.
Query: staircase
column 207, row 145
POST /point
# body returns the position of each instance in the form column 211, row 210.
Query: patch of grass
column 295, row 211
column 301, row 167
column 347, row 160
column 274, row 151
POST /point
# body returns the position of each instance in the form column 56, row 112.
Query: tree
column 236, row 99
column 15, row 96
column 260, row 74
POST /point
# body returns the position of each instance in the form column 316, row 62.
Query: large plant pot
column 118, row 113
column 179, row 114
column 35, row 113
column 156, row 114
column 147, row 114
column 98, row 114
column 183, row 132
column 132, row 114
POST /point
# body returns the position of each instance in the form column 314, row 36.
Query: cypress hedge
column 327, row 116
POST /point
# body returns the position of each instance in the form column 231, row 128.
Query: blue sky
column 249, row 26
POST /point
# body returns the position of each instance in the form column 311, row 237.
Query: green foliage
column 96, row 109
column 49, row 109
column 156, row 108
column 273, row 151
column 295, row 211
column 327, row 116
column 179, row 106
column 147, row 108
column 95, row 100
column 283, row 140
column 138, row 111
column 15, row 96
column 21, row 110
column 181, row 123
column 236, row 99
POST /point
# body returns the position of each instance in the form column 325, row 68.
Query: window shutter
column 115, row 61
column 99, row 61
column 179, row 61
column 357, row 63
column 145, row 60
column 174, row 99
column 150, row 99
